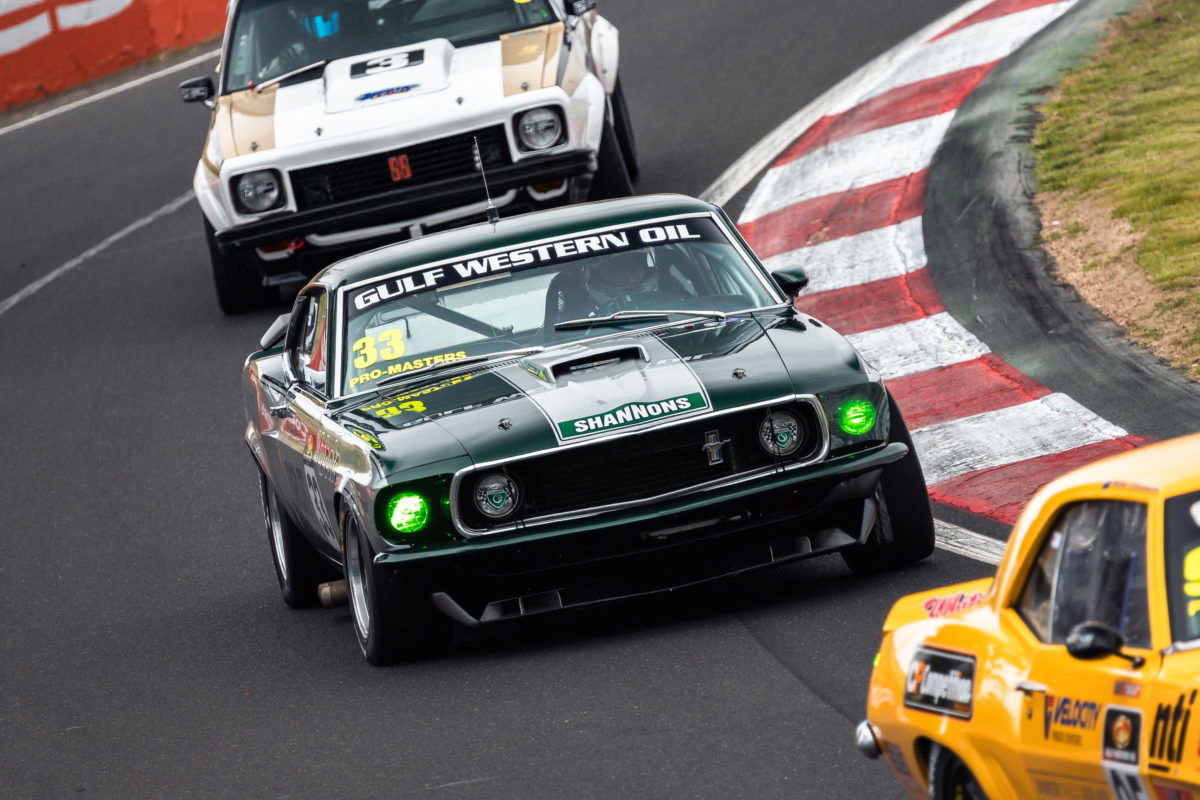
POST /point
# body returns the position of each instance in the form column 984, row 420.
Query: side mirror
column 1091, row 640
column 276, row 332
column 791, row 280
column 197, row 90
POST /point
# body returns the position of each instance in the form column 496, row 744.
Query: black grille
column 645, row 465
column 429, row 162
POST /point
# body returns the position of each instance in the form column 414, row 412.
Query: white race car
column 344, row 124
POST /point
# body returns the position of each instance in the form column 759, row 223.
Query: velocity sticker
column 632, row 413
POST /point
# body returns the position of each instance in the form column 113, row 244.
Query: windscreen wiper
column 457, row 362
column 626, row 316
column 287, row 75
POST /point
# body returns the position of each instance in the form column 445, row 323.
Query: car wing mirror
column 198, row 90
column 1088, row 641
column 276, row 332
column 791, row 279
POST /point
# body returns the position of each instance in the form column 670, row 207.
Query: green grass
column 1125, row 130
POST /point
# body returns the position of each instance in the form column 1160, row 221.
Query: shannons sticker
column 632, row 414
column 941, row 682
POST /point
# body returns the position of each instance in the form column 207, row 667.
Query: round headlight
column 779, row 433
column 856, row 417
column 258, row 191
column 407, row 513
column 496, row 495
column 539, row 128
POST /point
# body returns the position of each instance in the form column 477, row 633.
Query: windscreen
column 541, row 294
column 273, row 37
column 1182, row 544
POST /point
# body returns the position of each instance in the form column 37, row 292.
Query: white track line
column 918, row 346
column 83, row 101
column 876, row 156
column 1051, row 424
column 83, row 257
column 758, row 157
column 954, row 539
column 852, row 260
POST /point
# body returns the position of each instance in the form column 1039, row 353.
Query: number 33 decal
column 366, row 353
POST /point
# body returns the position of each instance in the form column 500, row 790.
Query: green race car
column 563, row 409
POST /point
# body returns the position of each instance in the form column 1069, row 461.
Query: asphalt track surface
column 146, row 651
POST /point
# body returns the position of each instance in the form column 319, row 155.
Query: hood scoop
column 551, row 366
column 387, row 75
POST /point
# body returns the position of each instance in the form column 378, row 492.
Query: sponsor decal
column 1169, row 734
column 559, row 251
column 1119, row 757
column 951, row 604
column 1060, row 790
column 632, row 414
column 386, row 63
column 369, row 438
column 712, row 447
column 1191, row 572
column 1164, row 791
column 400, row 367
column 895, row 757
column 941, row 682
column 1066, row 712
column 394, row 406
column 1122, row 734
column 1130, row 689
column 366, row 96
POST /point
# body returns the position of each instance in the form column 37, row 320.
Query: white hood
column 388, row 88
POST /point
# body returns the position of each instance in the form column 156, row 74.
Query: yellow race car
column 1075, row 671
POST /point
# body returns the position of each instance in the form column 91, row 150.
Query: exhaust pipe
column 332, row 594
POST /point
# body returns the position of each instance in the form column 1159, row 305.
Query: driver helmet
column 619, row 276
column 320, row 22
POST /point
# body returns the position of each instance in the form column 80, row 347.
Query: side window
column 310, row 348
column 1092, row 567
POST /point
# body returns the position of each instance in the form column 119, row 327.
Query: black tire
column 298, row 567
column 612, row 178
column 903, row 532
column 392, row 615
column 624, row 130
column 950, row 778
column 237, row 279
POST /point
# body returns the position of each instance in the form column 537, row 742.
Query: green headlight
column 407, row 513
column 857, row 417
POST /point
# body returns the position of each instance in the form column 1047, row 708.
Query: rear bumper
column 478, row 585
column 404, row 203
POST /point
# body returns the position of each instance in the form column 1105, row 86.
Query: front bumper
column 404, row 203
column 660, row 548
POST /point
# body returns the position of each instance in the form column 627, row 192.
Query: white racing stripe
column 954, row 539
column 1050, row 424
column 91, row 98
column 89, row 12
column 917, row 346
column 90, row 253
column 868, row 158
column 863, row 258
column 977, row 44
column 24, row 34
column 757, row 158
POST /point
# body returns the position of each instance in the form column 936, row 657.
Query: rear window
column 1182, row 544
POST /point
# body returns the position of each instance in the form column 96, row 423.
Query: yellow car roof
column 1169, row 468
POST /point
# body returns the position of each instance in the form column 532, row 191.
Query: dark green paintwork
column 434, row 426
